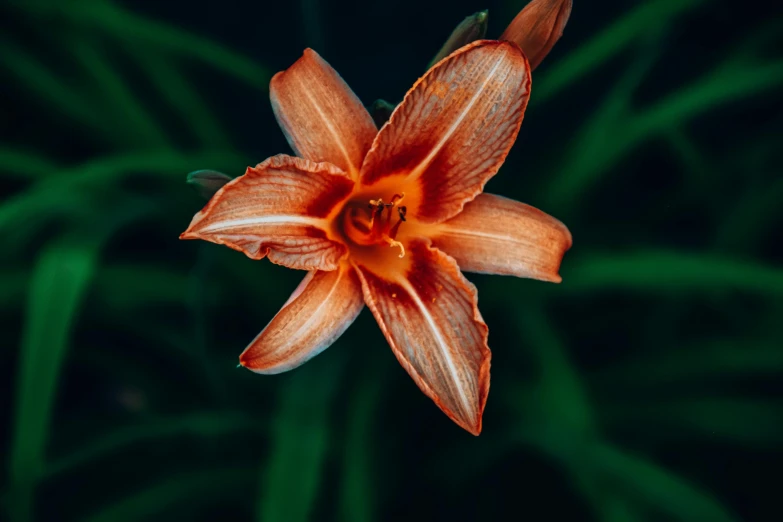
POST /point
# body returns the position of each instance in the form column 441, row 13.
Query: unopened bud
column 207, row 182
column 538, row 27
column 469, row 30
column 381, row 111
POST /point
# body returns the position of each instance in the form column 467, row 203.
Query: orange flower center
column 375, row 224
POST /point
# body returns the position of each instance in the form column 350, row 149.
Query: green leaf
column 116, row 22
column 181, row 95
column 657, row 487
column 752, row 422
column 50, row 88
column 299, row 444
column 26, row 165
column 609, row 43
column 715, row 88
column 706, row 361
column 667, row 272
column 559, row 392
column 193, row 490
column 357, row 494
column 196, row 424
column 747, row 224
column 60, row 279
column 121, row 107
column 65, row 193
column 599, row 141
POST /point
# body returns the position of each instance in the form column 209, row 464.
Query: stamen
column 393, row 243
column 393, row 231
column 397, row 198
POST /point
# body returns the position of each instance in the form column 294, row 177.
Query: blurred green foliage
column 645, row 387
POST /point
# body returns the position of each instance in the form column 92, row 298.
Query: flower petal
column 538, row 27
column 281, row 208
column 453, row 130
column 429, row 315
column 320, row 115
column 495, row 235
column 317, row 313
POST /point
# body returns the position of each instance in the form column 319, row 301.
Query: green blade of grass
column 48, row 87
column 657, row 487
column 559, row 393
column 194, row 489
column 716, row 88
column 128, row 114
column 745, row 226
column 610, row 42
column 668, row 271
column 180, row 95
column 197, row 424
column 720, row 86
column 717, row 360
column 598, row 143
column 357, row 494
column 751, row 422
column 46, row 199
column 299, row 444
column 25, row 165
column 116, row 22
column 59, row 281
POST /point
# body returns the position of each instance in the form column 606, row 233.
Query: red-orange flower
column 388, row 218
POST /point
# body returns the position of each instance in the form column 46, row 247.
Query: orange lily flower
column 389, row 218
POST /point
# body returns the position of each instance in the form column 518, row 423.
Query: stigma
column 376, row 224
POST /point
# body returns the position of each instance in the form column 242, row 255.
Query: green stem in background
column 181, row 95
column 670, row 272
column 655, row 487
column 754, row 423
column 744, row 227
column 299, row 444
column 47, row 198
column 117, row 22
column 714, row 89
column 26, row 165
column 53, row 90
column 196, row 303
column 60, row 280
column 128, row 113
column 190, row 490
column 718, row 360
column 559, row 386
column 205, row 425
column 358, row 492
column 607, row 44
column 598, row 140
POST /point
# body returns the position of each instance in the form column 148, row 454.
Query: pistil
column 378, row 229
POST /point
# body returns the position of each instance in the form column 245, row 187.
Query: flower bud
column 469, row 30
column 381, row 111
column 207, row 182
column 538, row 27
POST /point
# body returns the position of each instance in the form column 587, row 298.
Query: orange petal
column 281, row 208
column 538, row 27
column 454, row 128
column 429, row 316
column 495, row 235
column 318, row 312
column 320, row 115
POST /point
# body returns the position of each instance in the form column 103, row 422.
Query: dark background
column 645, row 387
